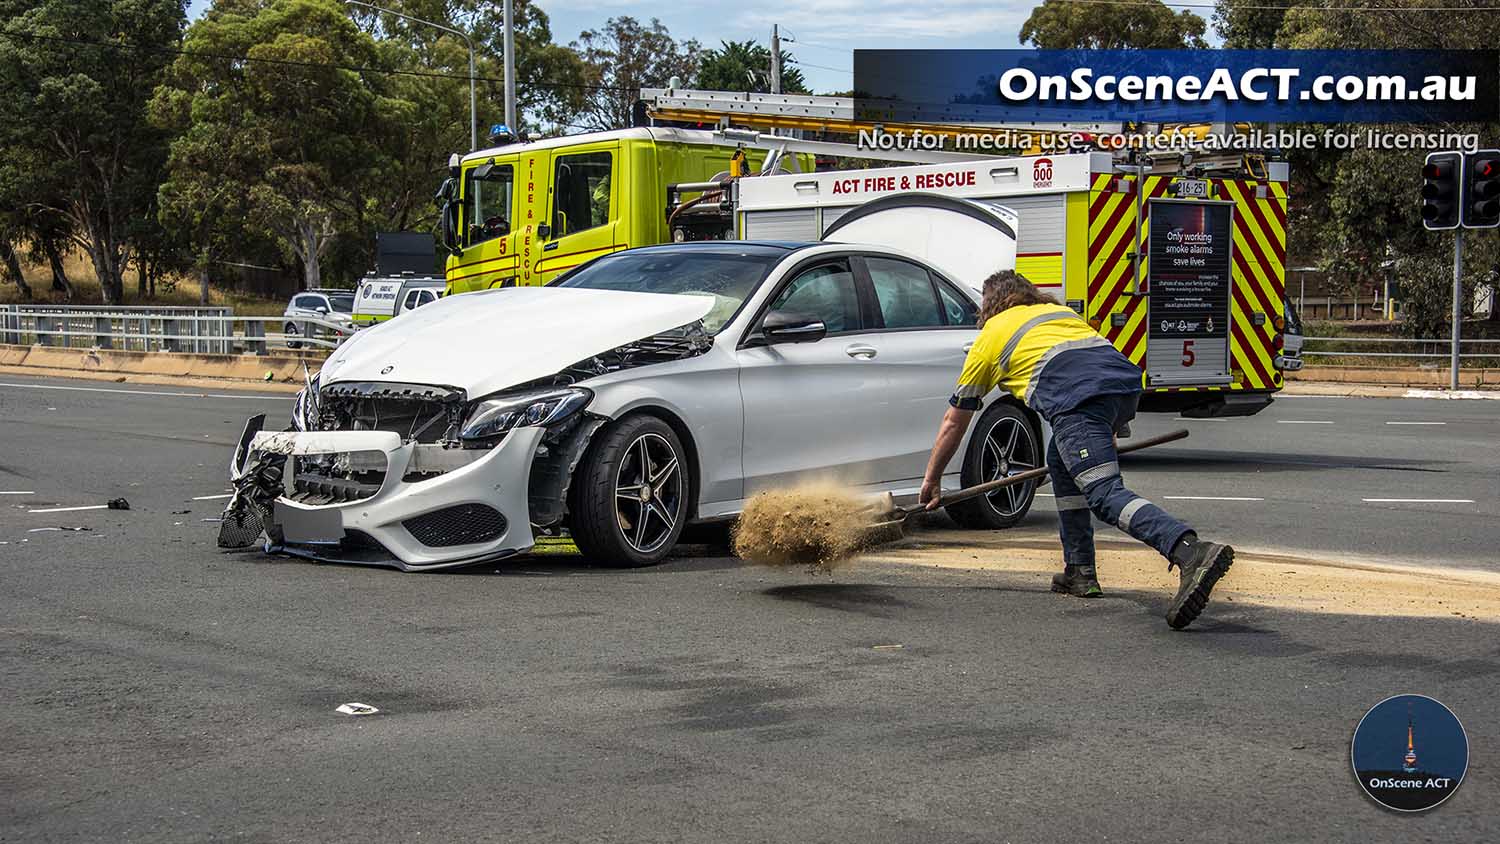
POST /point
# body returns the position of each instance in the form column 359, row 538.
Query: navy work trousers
column 1086, row 480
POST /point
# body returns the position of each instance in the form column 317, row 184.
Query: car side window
column 423, row 297
column 581, row 186
column 826, row 292
column 958, row 308
column 306, row 302
column 904, row 292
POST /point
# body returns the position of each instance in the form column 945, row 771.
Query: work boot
column 1200, row 565
column 1078, row 581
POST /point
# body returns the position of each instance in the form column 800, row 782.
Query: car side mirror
column 792, row 327
column 543, row 231
column 322, row 309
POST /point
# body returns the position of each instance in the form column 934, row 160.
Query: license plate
column 1191, row 187
column 319, row 526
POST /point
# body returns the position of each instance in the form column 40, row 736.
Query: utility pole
column 1458, row 303
column 775, row 59
column 510, row 67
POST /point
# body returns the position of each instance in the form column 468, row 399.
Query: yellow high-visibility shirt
column 1046, row 356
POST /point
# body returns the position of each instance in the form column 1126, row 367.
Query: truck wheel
column 291, row 334
column 630, row 495
column 1005, row 442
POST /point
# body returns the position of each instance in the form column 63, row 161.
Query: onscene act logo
column 1410, row 753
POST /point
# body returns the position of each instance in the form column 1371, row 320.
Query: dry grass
column 86, row 290
column 822, row 527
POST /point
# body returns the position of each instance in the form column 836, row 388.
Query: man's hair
column 1009, row 289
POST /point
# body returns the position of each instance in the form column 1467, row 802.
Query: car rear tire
column 291, row 331
column 630, row 495
column 1005, row 442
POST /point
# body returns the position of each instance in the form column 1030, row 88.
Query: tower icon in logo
column 1409, row 762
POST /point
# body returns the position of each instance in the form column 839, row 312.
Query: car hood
column 487, row 341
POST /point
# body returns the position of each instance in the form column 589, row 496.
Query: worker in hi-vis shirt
column 1048, row 357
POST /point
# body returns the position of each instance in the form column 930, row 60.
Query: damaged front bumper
column 418, row 506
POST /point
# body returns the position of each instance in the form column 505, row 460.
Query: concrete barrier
column 1397, row 376
column 247, row 367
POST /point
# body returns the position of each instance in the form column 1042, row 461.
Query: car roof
column 769, row 248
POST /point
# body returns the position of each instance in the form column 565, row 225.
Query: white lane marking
column 1304, row 422
column 1208, row 498
column 146, row 392
column 1045, row 495
column 17, row 492
column 1418, row 500
column 1416, row 423
column 1451, row 394
column 212, row 497
column 70, row 509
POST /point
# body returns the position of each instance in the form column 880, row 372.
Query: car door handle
column 549, row 247
column 860, row 351
column 967, row 346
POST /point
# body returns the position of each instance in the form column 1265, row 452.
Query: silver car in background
column 306, row 309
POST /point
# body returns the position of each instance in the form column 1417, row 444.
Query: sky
column 824, row 32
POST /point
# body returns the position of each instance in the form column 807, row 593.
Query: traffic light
column 1481, row 194
column 1440, row 189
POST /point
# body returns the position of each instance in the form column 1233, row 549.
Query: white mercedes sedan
column 646, row 391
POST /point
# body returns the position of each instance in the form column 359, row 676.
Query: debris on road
column 356, row 709
column 118, row 504
column 45, row 529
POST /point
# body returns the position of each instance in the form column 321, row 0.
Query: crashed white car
column 645, row 391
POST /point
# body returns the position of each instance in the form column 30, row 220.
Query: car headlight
column 495, row 416
column 305, row 414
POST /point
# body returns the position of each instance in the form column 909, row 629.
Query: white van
column 379, row 299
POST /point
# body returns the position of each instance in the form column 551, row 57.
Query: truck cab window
column 488, row 199
column 580, row 192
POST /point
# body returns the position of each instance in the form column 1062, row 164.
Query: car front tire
column 1005, row 442
column 291, row 331
column 630, row 495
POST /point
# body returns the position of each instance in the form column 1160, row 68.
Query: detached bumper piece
column 370, row 497
column 1288, row 364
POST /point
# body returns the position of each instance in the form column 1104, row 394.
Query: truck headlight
column 495, row 416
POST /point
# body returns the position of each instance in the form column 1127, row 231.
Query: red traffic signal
column 1481, row 194
column 1440, row 190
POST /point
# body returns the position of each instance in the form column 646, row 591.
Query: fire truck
column 1180, row 263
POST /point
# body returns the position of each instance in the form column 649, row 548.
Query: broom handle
column 1041, row 472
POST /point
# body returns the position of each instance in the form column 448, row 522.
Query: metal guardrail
column 1411, row 348
column 214, row 331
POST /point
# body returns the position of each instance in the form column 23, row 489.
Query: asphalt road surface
column 152, row 688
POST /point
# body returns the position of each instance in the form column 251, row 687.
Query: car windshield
column 342, row 303
column 729, row 274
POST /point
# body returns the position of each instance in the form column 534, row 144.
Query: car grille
column 465, row 524
column 336, row 477
column 417, row 412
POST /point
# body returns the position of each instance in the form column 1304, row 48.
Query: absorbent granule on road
column 817, row 526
